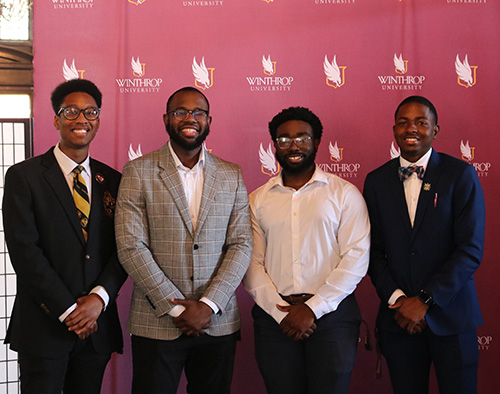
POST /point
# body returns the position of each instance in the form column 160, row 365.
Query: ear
column 436, row 131
column 316, row 142
column 56, row 122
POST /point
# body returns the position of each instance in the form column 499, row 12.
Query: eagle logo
column 70, row 72
column 138, row 68
column 335, row 75
column 268, row 161
column 400, row 64
column 466, row 73
column 204, row 77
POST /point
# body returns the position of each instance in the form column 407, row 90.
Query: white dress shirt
column 412, row 187
column 313, row 240
column 192, row 181
column 67, row 166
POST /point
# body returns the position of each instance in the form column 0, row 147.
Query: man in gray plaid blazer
column 184, row 237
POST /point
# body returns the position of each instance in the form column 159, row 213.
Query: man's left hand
column 299, row 323
column 83, row 320
column 195, row 318
column 410, row 314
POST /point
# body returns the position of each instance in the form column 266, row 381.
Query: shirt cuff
column 67, row 313
column 394, row 297
column 176, row 310
column 214, row 307
column 101, row 292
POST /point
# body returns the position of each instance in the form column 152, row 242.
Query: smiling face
column 296, row 160
column 76, row 135
column 187, row 134
column 415, row 130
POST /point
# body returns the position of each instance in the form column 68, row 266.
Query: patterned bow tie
column 405, row 172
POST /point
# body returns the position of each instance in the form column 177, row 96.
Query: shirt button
column 87, row 257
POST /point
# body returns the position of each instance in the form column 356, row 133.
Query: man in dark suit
column 64, row 323
column 427, row 242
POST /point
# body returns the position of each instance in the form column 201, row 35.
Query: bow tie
column 405, row 172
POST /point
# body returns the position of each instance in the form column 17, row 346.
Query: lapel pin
column 427, row 187
column 99, row 178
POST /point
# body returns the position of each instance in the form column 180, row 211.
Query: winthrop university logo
column 484, row 342
column 401, row 80
column 137, row 2
column 70, row 72
column 466, row 73
column 335, row 75
column 468, row 156
column 65, row 4
column 268, row 163
column 204, row 77
column 337, row 167
column 138, row 84
column 270, row 82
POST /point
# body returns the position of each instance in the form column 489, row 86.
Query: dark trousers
column 409, row 359
column 79, row 372
column 321, row 364
column 207, row 362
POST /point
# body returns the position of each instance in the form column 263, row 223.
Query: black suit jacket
column 54, row 265
column 440, row 253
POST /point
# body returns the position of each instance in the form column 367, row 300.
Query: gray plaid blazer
column 167, row 259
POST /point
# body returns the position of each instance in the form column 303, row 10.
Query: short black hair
column 419, row 100
column 296, row 113
column 187, row 89
column 74, row 85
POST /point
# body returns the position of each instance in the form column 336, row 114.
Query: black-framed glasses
column 72, row 113
column 300, row 142
column 183, row 114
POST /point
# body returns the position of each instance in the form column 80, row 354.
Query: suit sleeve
column 378, row 269
column 133, row 242
column 468, row 239
column 34, row 272
column 237, row 250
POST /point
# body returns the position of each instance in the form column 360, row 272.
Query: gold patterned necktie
column 81, row 196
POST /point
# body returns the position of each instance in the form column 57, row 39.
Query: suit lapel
column 398, row 192
column 96, row 207
column 170, row 175
column 427, row 193
column 209, row 188
column 55, row 178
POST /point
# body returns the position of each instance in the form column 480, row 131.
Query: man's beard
column 185, row 144
column 296, row 168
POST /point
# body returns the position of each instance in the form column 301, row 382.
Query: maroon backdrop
column 350, row 61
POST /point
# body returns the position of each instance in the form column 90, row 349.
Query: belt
column 296, row 299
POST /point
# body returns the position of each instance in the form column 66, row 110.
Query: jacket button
column 192, row 279
column 87, row 257
column 195, row 246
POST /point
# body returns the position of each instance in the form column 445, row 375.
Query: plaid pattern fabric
column 406, row 172
column 166, row 258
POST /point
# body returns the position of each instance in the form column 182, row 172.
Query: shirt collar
column 318, row 176
column 68, row 165
column 423, row 161
column 179, row 165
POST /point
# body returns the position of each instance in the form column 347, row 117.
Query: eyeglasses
column 300, row 142
column 183, row 114
column 72, row 113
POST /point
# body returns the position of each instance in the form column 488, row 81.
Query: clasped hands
column 410, row 314
column 195, row 319
column 83, row 320
column 299, row 322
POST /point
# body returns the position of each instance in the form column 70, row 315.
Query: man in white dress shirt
column 311, row 249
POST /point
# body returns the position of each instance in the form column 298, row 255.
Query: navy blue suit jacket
column 440, row 253
column 54, row 265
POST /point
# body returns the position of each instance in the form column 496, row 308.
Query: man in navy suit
column 427, row 241
column 64, row 323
